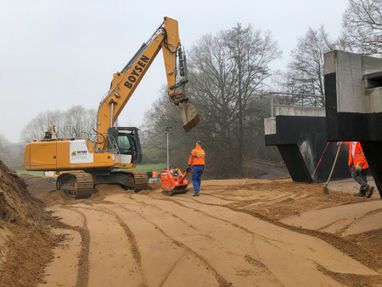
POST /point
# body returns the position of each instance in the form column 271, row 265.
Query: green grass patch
column 23, row 171
column 150, row 167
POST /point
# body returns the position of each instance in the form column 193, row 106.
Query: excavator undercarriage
column 81, row 184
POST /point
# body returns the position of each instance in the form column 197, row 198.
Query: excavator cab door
column 126, row 142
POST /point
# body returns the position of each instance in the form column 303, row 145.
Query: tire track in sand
column 129, row 234
column 347, row 247
column 302, row 252
column 133, row 243
column 243, row 268
column 175, row 216
column 357, row 220
column 111, row 260
column 83, row 261
column 164, row 262
column 269, row 240
column 259, row 268
column 171, row 270
column 219, row 278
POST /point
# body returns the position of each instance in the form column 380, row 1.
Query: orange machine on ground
column 107, row 158
column 173, row 181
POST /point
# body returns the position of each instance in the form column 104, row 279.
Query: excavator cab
column 125, row 141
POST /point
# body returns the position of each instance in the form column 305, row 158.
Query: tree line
column 74, row 122
column 11, row 153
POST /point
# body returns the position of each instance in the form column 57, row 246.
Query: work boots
column 360, row 193
column 369, row 191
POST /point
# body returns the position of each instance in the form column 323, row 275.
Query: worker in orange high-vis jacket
column 196, row 163
column 359, row 167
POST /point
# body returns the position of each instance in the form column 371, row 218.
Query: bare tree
column 227, row 71
column 164, row 114
column 78, row 120
column 11, row 153
column 362, row 27
column 38, row 125
column 305, row 71
column 251, row 54
column 68, row 123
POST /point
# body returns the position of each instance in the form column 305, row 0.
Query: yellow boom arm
column 125, row 82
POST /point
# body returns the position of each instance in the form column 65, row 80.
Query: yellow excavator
column 107, row 157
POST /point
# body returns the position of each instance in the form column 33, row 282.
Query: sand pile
column 26, row 241
column 16, row 204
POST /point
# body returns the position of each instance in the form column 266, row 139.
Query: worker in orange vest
column 358, row 167
column 196, row 162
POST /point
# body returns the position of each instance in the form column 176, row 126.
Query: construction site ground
column 240, row 232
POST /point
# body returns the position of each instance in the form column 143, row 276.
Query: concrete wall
column 270, row 123
column 299, row 111
column 270, row 126
column 301, row 141
column 352, row 72
column 353, row 93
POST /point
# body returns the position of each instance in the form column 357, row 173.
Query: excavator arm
column 166, row 37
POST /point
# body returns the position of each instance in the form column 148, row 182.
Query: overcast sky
column 56, row 54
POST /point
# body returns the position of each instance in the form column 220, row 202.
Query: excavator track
column 133, row 180
column 80, row 184
column 76, row 184
column 140, row 180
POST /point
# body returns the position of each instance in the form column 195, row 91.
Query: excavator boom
column 166, row 37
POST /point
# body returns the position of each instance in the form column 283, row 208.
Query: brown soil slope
column 25, row 239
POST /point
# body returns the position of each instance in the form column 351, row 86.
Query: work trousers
column 360, row 177
column 196, row 177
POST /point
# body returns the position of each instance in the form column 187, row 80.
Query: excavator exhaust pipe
column 190, row 116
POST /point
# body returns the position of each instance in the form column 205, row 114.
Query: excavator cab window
column 124, row 144
column 127, row 140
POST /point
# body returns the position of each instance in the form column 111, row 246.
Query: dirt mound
column 370, row 241
column 26, row 241
column 278, row 199
column 16, row 204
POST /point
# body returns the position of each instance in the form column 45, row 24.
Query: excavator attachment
column 190, row 116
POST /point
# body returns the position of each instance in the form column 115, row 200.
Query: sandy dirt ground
column 237, row 233
column 26, row 240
